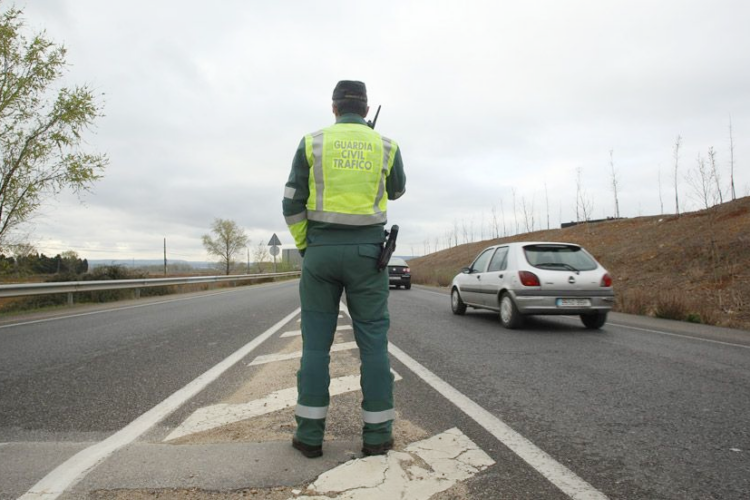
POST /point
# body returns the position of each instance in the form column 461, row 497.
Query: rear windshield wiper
column 558, row 264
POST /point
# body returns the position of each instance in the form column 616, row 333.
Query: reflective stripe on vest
column 349, row 165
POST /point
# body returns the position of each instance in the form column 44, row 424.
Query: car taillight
column 606, row 280
column 407, row 270
column 528, row 279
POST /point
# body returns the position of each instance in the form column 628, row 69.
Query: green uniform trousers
column 327, row 271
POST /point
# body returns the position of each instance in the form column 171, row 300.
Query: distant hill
column 693, row 267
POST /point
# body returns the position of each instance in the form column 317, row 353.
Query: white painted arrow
column 451, row 457
column 211, row 417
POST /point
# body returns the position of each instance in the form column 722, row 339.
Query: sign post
column 275, row 243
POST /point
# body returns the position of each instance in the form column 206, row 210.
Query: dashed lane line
column 297, row 333
column 559, row 475
column 211, row 417
column 75, row 468
column 270, row 358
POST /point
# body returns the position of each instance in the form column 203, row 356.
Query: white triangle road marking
column 450, row 456
column 270, row 358
column 211, row 417
column 297, row 333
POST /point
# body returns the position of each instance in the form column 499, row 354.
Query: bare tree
column 515, row 212
column 546, row 200
column 502, row 216
column 495, row 222
column 715, row 174
column 528, row 214
column 584, row 204
column 615, row 182
column 661, row 199
column 731, row 159
column 700, row 180
column 676, row 168
column 260, row 256
column 448, row 238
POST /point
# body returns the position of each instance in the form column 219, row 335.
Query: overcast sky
column 205, row 103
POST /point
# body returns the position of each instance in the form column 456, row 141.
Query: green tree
column 41, row 126
column 228, row 241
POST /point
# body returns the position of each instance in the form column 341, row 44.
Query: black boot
column 308, row 450
column 377, row 449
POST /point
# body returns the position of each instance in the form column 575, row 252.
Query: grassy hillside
column 695, row 267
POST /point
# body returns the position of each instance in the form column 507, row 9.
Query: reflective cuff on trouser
column 310, row 431
column 378, row 417
column 311, row 412
column 311, row 424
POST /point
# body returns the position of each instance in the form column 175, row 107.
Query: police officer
column 335, row 207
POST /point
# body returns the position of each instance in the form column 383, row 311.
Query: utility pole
column 165, row 256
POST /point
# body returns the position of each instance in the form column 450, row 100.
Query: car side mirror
column 466, row 270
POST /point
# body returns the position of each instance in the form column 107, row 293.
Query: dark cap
column 350, row 89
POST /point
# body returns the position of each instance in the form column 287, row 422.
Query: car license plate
column 573, row 302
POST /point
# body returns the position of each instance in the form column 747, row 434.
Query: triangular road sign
column 274, row 241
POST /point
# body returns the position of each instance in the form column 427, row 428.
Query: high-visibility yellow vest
column 349, row 166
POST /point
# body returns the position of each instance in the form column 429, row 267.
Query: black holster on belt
column 388, row 248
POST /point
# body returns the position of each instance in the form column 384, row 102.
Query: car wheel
column 457, row 305
column 408, row 287
column 594, row 321
column 509, row 316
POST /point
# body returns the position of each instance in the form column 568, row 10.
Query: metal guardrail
column 70, row 287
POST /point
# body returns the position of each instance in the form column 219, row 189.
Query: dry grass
column 695, row 267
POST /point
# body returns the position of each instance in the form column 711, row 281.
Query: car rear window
column 559, row 257
column 395, row 261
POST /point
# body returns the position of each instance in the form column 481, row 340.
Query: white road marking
column 75, row 468
column 451, row 457
column 211, row 417
column 270, row 358
column 680, row 335
column 559, row 475
column 297, row 333
column 345, row 309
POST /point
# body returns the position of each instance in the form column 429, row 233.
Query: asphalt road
column 643, row 408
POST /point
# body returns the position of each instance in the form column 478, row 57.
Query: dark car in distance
column 399, row 273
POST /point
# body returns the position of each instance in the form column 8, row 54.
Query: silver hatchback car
column 528, row 278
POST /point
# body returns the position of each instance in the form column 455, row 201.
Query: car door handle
column 500, row 276
column 479, row 277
